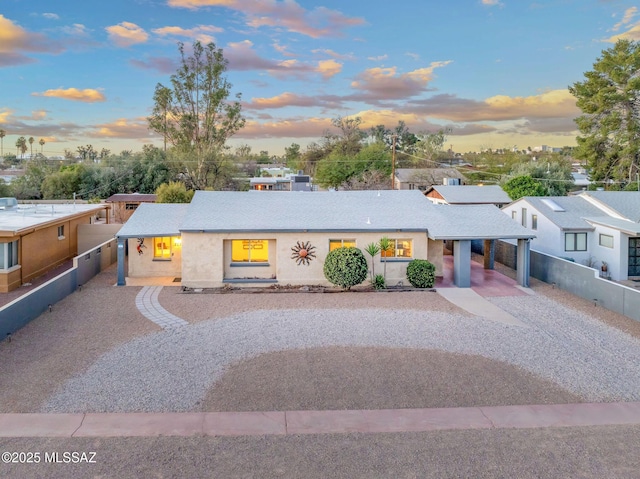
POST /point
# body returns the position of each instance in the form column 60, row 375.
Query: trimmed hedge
column 345, row 267
column 421, row 273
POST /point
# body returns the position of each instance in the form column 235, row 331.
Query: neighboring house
column 468, row 195
column 423, row 178
column 124, row 204
column 288, row 182
column 249, row 238
column 36, row 238
column 589, row 228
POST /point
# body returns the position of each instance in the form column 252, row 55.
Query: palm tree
column 21, row 145
column 3, row 133
column 31, row 140
column 41, row 144
column 386, row 246
column 373, row 249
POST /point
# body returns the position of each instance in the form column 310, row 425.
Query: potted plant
column 604, row 267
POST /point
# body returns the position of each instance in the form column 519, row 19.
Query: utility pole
column 393, row 163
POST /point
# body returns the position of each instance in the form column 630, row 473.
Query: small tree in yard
column 386, row 246
column 346, row 267
column 421, row 273
column 373, row 249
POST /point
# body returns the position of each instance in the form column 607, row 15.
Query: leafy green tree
column 28, row 186
column 339, row 170
column 174, row 192
column 523, row 186
column 195, row 117
column 292, row 156
column 555, row 175
column 609, row 98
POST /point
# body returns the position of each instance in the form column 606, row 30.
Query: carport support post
column 523, row 266
column 489, row 253
column 462, row 263
column 121, row 260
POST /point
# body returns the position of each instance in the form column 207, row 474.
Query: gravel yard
column 277, row 351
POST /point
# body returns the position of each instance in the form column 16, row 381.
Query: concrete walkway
column 469, row 300
column 317, row 422
column 148, row 304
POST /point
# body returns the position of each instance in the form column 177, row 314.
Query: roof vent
column 553, row 205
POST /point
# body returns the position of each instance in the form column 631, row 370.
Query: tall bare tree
column 195, row 116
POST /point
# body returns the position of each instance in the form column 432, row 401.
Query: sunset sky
column 495, row 72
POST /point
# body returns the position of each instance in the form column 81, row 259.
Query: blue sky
column 495, row 72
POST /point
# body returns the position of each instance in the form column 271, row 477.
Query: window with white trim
column 400, row 248
column 341, row 243
column 162, row 247
column 250, row 251
column 61, row 232
column 534, row 222
column 8, row 254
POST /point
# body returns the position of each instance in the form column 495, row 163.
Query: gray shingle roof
column 154, row 219
column 626, row 203
column 354, row 211
column 491, row 194
column 575, row 210
column 627, row 226
column 311, row 211
column 474, row 222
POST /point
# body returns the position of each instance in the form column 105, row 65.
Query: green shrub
column 421, row 273
column 379, row 282
column 345, row 267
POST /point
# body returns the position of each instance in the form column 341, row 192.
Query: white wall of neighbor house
column 206, row 257
column 550, row 238
column 611, row 245
column 152, row 262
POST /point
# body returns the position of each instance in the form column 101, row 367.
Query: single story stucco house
column 249, row 238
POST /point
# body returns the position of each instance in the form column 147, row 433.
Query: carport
column 461, row 225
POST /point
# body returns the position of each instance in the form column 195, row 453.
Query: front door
column 634, row 256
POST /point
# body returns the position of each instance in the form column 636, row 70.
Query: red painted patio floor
column 485, row 282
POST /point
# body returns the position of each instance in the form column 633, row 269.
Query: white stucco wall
column 549, row 236
column 206, row 257
column 144, row 265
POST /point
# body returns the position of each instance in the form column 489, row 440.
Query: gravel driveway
column 96, row 352
column 175, row 370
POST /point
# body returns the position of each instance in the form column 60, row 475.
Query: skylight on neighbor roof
column 553, row 205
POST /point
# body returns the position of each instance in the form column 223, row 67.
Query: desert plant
column 373, row 249
column 379, row 282
column 345, row 267
column 421, row 273
column 386, row 246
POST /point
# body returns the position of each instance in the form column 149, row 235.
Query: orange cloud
column 136, row 128
column 14, row 40
column 4, row 115
column 88, row 95
column 385, row 83
column 329, row 68
column 203, row 33
column 319, row 22
column 126, row 34
column 39, row 114
column 632, row 34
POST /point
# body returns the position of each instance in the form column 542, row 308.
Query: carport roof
column 154, row 219
column 474, row 222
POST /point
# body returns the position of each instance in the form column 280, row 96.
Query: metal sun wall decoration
column 303, row 252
